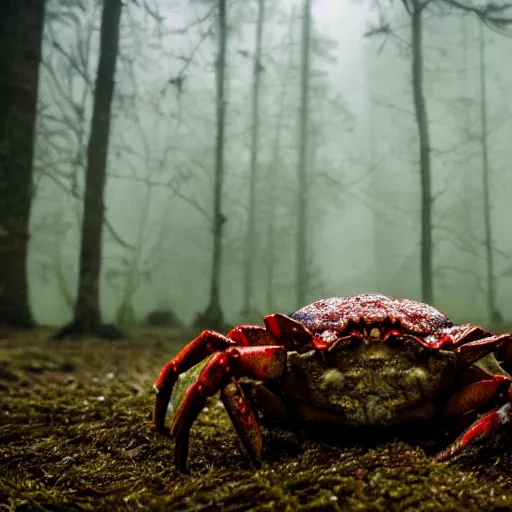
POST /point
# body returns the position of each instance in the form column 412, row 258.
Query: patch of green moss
column 76, row 434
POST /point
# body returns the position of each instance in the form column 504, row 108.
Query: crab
column 367, row 360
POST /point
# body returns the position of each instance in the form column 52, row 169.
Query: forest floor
column 76, row 434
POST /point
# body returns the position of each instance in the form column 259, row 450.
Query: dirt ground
column 75, row 434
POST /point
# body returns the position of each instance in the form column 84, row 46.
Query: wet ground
column 75, row 434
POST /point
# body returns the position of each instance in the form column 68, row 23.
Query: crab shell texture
column 383, row 361
column 363, row 360
column 370, row 365
column 335, row 314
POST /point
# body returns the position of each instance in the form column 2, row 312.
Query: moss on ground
column 75, row 434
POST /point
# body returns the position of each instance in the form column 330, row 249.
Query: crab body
column 367, row 385
column 363, row 360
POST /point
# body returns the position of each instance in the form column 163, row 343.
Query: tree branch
column 75, row 194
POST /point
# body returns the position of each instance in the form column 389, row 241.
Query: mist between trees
column 224, row 159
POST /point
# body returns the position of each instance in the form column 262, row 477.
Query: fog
column 363, row 229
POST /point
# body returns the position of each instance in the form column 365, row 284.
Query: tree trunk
column 424, row 140
column 469, row 260
column 273, row 169
column 301, row 276
column 126, row 314
column 272, row 197
column 250, row 240
column 491, row 304
column 87, row 320
column 213, row 316
column 21, row 29
column 60, row 276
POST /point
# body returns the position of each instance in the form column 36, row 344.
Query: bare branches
column 490, row 9
column 178, row 79
column 110, row 228
column 496, row 16
column 152, row 10
column 191, row 200
column 196, row 22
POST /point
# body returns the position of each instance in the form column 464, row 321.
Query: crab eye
column 375, row 333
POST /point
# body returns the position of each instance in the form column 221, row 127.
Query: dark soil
column 76, row 434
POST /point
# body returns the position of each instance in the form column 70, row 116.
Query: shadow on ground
column 75, row 434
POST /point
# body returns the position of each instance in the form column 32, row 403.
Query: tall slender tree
column 301, row 270
column 496, row 17
column 491, row 299
column 21, row 29
column 275, row 164
column 131, row 275
column 87, row 316
column 420, row 109
column 492, row 14
column 250, row 239
column 213, row 316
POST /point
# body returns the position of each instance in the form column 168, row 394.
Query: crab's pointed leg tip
column 442, row 456
column 449, row 451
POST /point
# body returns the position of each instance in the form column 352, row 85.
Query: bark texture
column 494, row 314
column 420, row 108
column 87, row 319
column 250, row 240
column 21, row 28
column 213, row 316
column 301, row 277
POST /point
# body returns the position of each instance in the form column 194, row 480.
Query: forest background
column 223, row 160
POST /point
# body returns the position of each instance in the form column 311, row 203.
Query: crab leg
column 199, row 348
column 470, row 341
column 242, row 416
column 483, row 427
column 475, row 350
column 474, row 395
column 260, row 363
column 251, row 336
column 205, row 344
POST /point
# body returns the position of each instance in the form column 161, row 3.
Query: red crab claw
column 198, row 349
column 482, row 428
column 481, row 385
column 474, row 350
column 259, row 363
column 291, row 333
column 476, row 394
column 471, row 342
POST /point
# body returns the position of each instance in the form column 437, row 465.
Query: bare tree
column 213, row 314
column 491, row 14
column 420, row 110
column 301, row 275
column 250, row 239
column 87, row 317
column 274, row 166
column 67, row 80
column 21, row 28
column 491, row 293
